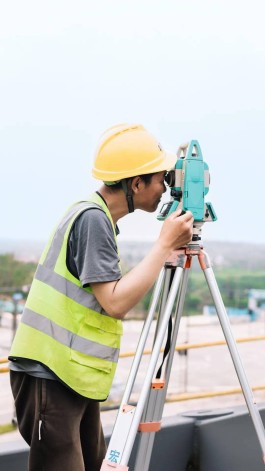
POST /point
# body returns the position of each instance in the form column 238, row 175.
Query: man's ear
column 137, row 184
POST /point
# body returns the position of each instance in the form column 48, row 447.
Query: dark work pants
column 62, row 428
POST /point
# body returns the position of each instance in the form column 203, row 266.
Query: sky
column 192, row 69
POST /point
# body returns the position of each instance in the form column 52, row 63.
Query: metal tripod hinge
column 145, row 417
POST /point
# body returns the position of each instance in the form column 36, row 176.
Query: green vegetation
column 14, row 274
column 233, row 284
column 7, row 428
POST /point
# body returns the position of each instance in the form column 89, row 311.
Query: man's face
column 150, row 195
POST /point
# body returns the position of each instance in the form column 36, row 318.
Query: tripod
column 170, row 291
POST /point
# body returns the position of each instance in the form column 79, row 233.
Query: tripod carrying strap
column 167, row 347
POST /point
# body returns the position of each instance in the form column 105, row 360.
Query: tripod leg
column 125, row 413
column 224, row 321
column 156, row 400
column 126, row 426
column 143, row 337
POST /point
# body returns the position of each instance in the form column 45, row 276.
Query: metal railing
column 179, row 348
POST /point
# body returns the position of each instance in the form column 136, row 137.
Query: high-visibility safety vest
column 63, row 326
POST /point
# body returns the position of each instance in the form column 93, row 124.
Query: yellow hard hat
column 128, row 150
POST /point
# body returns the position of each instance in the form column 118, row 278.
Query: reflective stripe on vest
column 66, row 287
column 67, row 338
column 57, row 242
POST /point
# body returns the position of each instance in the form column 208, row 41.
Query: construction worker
column 64, row 355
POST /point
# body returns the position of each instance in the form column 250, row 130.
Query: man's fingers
column 189, row 215
column 180, row 213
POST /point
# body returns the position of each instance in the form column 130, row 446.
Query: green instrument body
column 189, row 182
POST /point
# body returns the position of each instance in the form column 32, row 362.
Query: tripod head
column 189, row 182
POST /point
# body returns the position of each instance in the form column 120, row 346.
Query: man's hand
column 177, row 230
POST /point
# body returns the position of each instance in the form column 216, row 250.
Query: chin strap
column 126, row 186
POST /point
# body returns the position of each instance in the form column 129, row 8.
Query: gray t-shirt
column 92, row 256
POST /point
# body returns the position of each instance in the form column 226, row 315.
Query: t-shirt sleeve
column 92, row 254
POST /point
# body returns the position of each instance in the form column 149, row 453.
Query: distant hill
column 223, row 254
column 26, row 250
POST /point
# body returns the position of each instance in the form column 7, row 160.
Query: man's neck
column 115, row 201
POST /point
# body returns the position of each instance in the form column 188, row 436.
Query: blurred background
column 185, row 70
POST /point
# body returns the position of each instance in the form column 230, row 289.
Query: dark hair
column 146, row 178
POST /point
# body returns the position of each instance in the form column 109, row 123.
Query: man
column 66, row 348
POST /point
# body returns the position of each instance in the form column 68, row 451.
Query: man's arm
column 118, row 297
